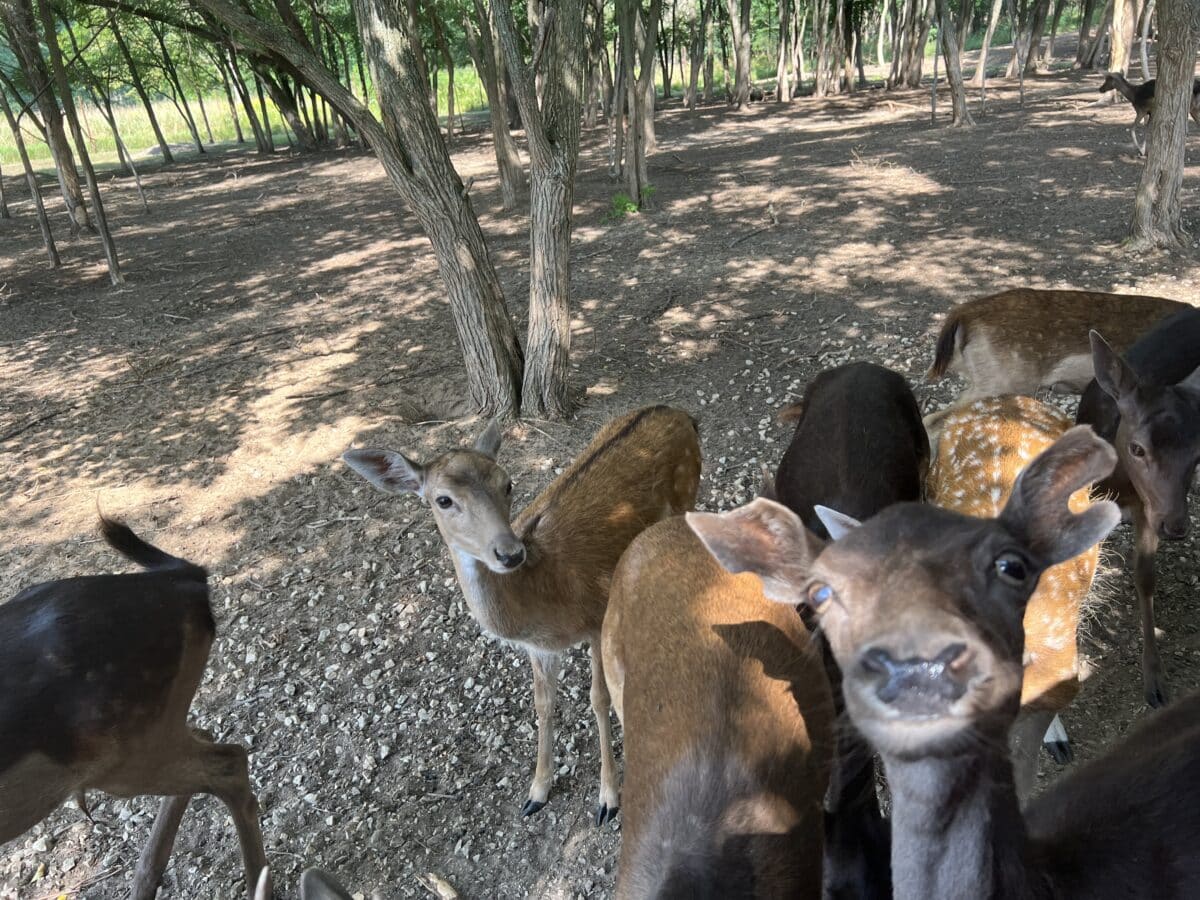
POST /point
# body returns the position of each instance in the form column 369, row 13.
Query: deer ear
column 1038, row 509
column 837, row 524
column 765, row 538
column 1113, row 374
column 318, row 885
column 488, row 443
column 391, row 472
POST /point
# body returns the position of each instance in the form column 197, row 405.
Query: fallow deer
column 1022, row 339
column 542, row 582
column 1142, row 98
column 980, row 454
column 1148, row 406
column 727, row 719
column 924, row 610
column 97, row 675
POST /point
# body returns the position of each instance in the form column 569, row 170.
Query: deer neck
column 957, row 830
column 492, row 596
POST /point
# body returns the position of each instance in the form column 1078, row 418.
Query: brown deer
column 979, row 457
column 542, row 582
column 924, row 609
column 1142, row 98
column 1148, row 406
column 1020, row 340
column 97, row 675
column 728, row 725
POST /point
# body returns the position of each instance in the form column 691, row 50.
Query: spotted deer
column 981, row 452
column 728, row 727
column 542, row 582
column 1023, row 339
column 934, row 683
column 97, row 675
column 1147, row 405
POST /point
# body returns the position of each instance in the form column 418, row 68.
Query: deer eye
column 1136, row 450
column 1011, row 569
column 819, row 594
column 444, row 502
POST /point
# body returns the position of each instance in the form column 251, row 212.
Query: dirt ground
column 278, row 311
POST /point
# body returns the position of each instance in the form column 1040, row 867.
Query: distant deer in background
column 1147, row 406
column 1142, row 98
column 980, row 455
column 542, row 582
column 728, row 727
column 97, row 675
column 1020, row 340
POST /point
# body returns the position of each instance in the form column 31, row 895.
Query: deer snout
column 919, row 685
column 1174, row 528
column 510, row 556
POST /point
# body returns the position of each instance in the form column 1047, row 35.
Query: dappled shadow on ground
column 280, row 309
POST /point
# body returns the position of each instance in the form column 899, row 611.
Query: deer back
column 728, row 727
column 982, row 449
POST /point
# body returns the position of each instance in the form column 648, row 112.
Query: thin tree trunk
column 979, row 79
column 709, row 50
column 958, row 91
column 1157, row 211
column 268, row 131
column 439, row 38
column 136, row 79
column 1124, row 23
column 31, row 179
column 508, row 159
column 1088, row 8
column 739, row 23
column 1037, row 28
column 50, row 36
column 783, row 84
column 1047, row 57
column 1146, row 19
column 243, row 91
column 237, row 122
column 4, row 213
column 1018, row 54
column 173, row 77
column 883, row 18
column 204, row 116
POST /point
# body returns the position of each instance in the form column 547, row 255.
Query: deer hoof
column 1156, row 695
column 605, row 814
column 532, row 806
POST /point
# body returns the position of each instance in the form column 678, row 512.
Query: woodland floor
column 279, row 310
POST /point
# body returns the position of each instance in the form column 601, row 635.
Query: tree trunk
column 1093, row 55
column 739, row 21
column 482, row 47
column 553, row 133
column 204, row 116
column 243, row 91
column 23, row 36
column 140, row 88
column 883, row 18
column 268, row 131
column 4, row 213
column 1124, row 23
column 285, row 102
column 439, row 38
column 1037, row 28
column 31, row 179
column 237, row 122
column 50, row 36
column 173, row 76
column 1047, row 57
column 949, row 41
column 1147, row 17
column 709, row 50
column 1087, row 10
column 1157, row 213
column 979, row 79
column 783, row 84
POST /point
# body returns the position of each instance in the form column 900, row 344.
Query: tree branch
column 522, row 79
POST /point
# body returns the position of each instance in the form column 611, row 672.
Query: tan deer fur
column 727, row 718
column 640, row 468
column 1022, row 339
column 981, row 450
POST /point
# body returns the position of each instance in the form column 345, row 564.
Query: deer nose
column 918, row 685
column 1174, row 529
column 511, row 560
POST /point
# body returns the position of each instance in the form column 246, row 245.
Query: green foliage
column 622, row 205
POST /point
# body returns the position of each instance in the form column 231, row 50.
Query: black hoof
column 605, row 814
column 1156, row 697
column 532, row 806
column 1060, row 751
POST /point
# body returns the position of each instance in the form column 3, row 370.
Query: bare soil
column 280, row 310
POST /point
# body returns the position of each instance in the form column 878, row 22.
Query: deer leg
column 1146, row 545
column 157, row 852
column 545, row 684
column 1025, row 738
column 606, row 809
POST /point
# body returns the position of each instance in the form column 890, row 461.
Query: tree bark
column 1147, row 17
column 1157, row 212
column 140, row 89
column 958, row 91
column 508, row 159
column 23, row 37
column 50, row 36
column 243, row 92
column 1124, row 23
column 1088, row 9
column 637, row 84
column 979, row 79
column 1047, row 55
column 237, row 122
column 783, row 84
column 173, row 77
column 739, row 21
column 1092, row 56
column 31, row 179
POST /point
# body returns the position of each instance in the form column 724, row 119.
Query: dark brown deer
column 97, row 675
column 1148, row 406
column 859, row 446
column 1022, row 339
column 542, row 582
column 728, row 725
column 923, row 608
column 1142, row 98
